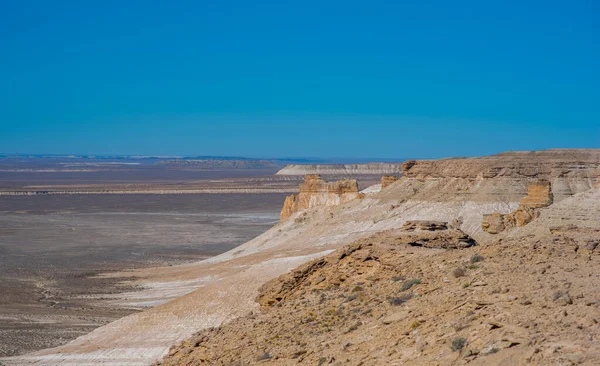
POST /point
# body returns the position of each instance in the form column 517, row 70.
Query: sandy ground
column 53, row 248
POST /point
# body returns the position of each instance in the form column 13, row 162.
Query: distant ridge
column 342, row 169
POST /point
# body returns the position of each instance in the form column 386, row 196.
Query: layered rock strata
column 570, row 171
column 538, row 195
column 315, row 192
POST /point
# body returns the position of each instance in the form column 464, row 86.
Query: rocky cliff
column 316, row 192
column 538, row 195
column 343, row 169
column 569, row 171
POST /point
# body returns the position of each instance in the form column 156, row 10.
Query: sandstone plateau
column 407, row 275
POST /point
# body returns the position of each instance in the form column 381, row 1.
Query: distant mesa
column 343, row 169
column 316, row 192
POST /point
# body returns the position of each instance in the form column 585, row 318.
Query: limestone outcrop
column 386, row 180
column 538, row 195
column 316, row 192
column 544, row 164
column 570, row 171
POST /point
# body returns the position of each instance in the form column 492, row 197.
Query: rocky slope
column 342, row 169
column 388, row 300
column 514, row 287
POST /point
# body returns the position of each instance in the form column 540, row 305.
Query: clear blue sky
column 302, row 78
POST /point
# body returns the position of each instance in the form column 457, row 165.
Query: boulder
column 493, row 223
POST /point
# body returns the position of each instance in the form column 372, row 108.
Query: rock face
column 316, row 192
column 386, row 180
column 570, row 171
column 538, row 195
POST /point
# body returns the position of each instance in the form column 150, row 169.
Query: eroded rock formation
column 316, row 192
column 538, row 195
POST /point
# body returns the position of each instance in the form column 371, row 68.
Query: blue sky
column 305, row 78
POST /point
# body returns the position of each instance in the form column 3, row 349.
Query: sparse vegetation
column 397, row 278
column 459, row 272
column 458, row 344
column 476, row 258
column 399, row 300
column 410, row 283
